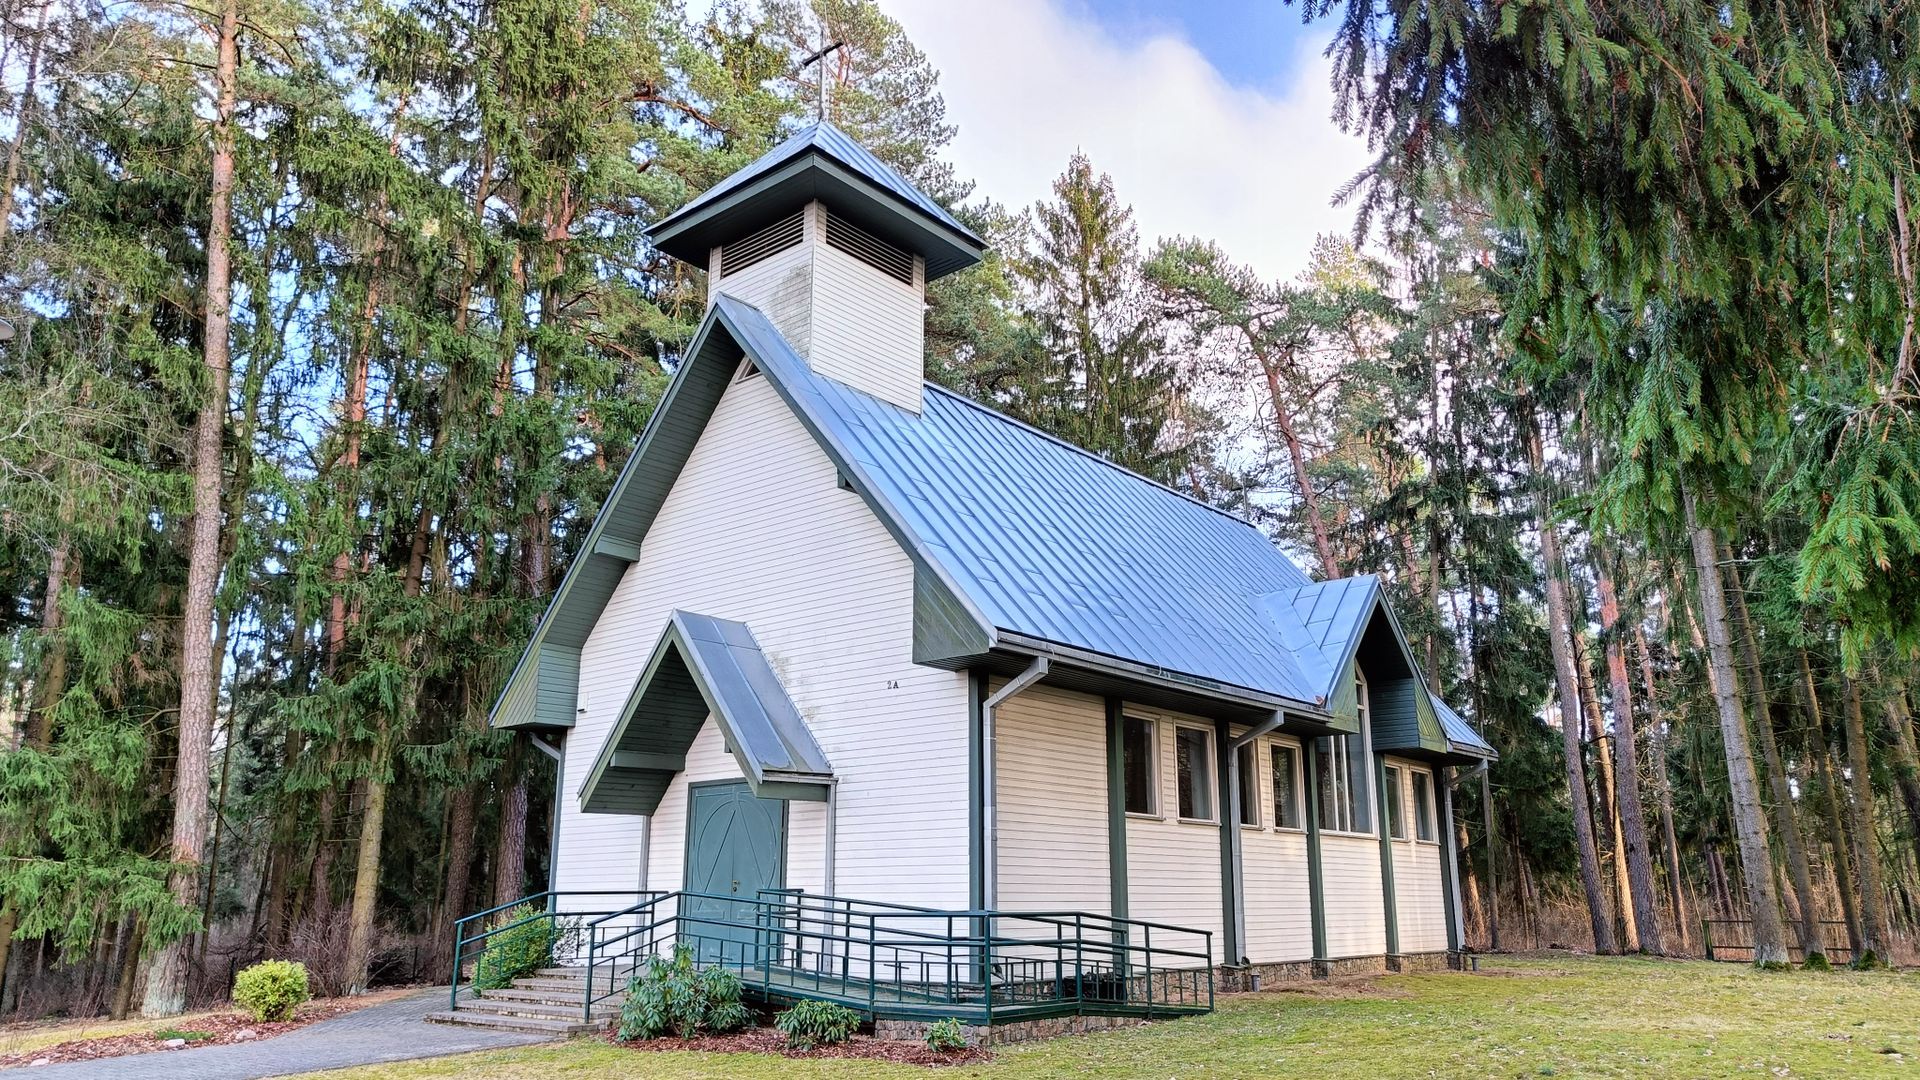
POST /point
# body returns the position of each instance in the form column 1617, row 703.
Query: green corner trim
column 1316, row 885
column 1225, row 796
column 1116, row 808
column 1389, row 903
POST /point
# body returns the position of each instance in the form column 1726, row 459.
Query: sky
column 1214, row 117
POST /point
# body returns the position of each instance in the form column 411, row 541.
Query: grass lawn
column 1553, row 1016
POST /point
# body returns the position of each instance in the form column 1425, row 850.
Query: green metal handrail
column 549, row 899
column 1072, row 960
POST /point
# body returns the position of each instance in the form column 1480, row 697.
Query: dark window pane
column 1137, row 763
column 1286, row 800
column 1325, row 787
column 1195, row 773
column 1249, row 785
column 1396, row 810
column 1357, row 786
column 1423, row 806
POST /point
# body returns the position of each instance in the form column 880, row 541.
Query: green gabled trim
column 976, row 790
column 1390, row 903
column 942, row 627
column 1316, row 884
column 1116, row 808
column 1231, row 947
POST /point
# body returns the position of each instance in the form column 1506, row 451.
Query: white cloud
column 1029, row 82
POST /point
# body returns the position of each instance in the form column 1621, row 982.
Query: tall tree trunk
column 1866, row 860
column 366, row 881
column 1626, row 775
column 129, row 969
column 1749, row 818
column 459, row 867
column 167, row 981
column 1605, row 813
column 1786, row 823
column 1663, row 790
column 23, row 119
column 1906, row 758
column 509, row 880
column 1297, row 457
column 1809, row 695
column 1567, row 676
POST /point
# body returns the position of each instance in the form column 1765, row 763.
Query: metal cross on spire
column 820, row 57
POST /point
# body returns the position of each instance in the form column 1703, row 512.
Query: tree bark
column 167, row 981
column 366, row 884
column 1604, row 810
column 1906, row 758
column 1873, row 906
column 1567, row 676
column 129, row 969
column 1830, row 811
column 1663, row 790
column 459, row 867
column 1785, row 822
column 1626, row 765
column 1749, row 818
column 509, row 880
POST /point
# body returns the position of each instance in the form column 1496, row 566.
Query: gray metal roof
column 1460, row 734
column 1033, row 538
column 820, row 161
column 703, row 666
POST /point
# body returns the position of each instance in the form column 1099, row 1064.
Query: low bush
column 271, row 989
column 946, row 1036
column 674, row 997
column 519, row 950
column 817, row 1023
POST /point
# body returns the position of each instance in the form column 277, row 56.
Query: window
column 1341, row 785
column 1286, row 787
column 1396, row 803
column 1248, row 785
column 1193, row 771
column 1136, row 753
column 1423, row 806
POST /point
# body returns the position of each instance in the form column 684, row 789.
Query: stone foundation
column 1423, row 962
column 1006, row 1034
column 1240, row 979
column 1352, row 965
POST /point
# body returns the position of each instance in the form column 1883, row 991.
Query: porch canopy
column 703, row 667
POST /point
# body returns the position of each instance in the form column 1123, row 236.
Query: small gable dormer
column 836, row 249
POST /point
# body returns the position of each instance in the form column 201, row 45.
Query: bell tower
column 835, row 248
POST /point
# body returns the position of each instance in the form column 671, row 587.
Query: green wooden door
column 736, row 846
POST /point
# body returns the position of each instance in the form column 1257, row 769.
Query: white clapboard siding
column 781, row 286
column 1356, row 906
column 1173, row 866
column 1279, row 916
column 1051, row 771
column 757, row 529
column 1419, row 900
column 869, row 329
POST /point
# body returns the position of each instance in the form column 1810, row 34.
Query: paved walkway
column 390, row 1031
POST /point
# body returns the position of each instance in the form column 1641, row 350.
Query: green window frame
column 1246, row 766
column 1396, row 802
column 1423, row 815
column 1140, row 765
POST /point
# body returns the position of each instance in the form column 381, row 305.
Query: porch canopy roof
column 703, row 667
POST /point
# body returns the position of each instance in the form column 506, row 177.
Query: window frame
column 1154, row 791
column 1213, row 780
column 1397, row 787
column 1296, row 759
column 1247, row 774
column 1427, row 779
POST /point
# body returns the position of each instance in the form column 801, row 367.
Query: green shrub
column 520, row 951
column 817, row 1023
column 271, row 989
column 1816, row 962
column 674, row 997
column 170, row 1034
column 946, row 1036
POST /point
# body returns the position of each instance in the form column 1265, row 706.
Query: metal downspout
column 990, row 772
column 833, row 829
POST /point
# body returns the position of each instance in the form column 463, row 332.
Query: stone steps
column 549, row 1010
column 544, row 1025
column 550, row 1001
